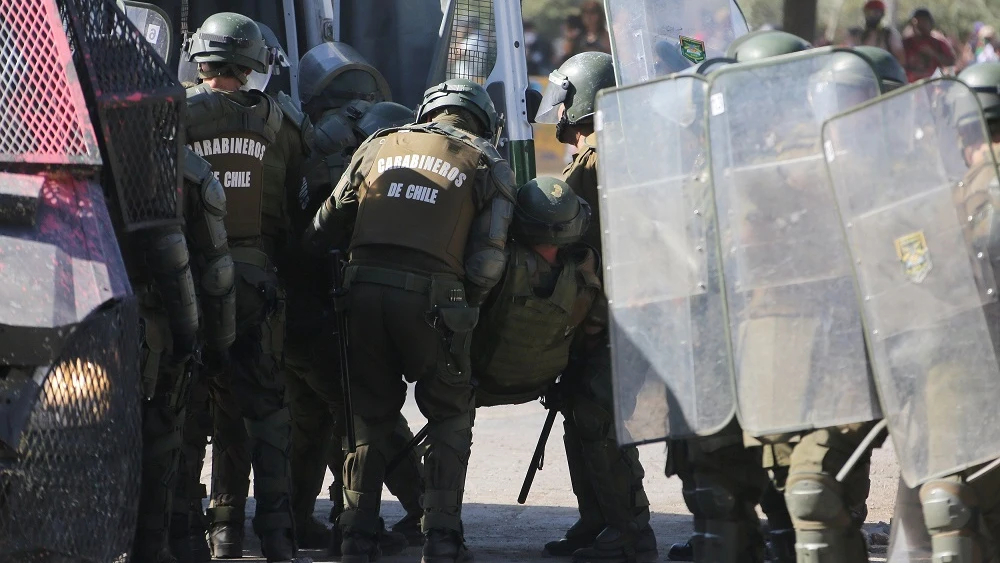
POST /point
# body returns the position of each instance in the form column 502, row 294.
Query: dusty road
column 500, row 530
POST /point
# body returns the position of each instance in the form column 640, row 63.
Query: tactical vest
column 522, row 343
column 419, row 194
column 235, row 139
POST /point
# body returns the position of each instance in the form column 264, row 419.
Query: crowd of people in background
column 919, row 44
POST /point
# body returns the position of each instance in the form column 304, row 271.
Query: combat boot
column 445, row 546
column 681, row 552
column 390, row 542
column 614, row 545
column 188, row 542
column 409, row 527
column 359, row 547
column 277, row 545
column 580, row 535
column 312, row 534
column 226, row 539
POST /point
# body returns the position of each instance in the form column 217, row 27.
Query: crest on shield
column 915, row 256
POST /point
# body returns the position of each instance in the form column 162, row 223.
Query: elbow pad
column 485, row 267
column 198, row 171
column 170, row 265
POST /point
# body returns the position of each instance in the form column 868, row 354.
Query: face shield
column 553, row 97
column 828, row 97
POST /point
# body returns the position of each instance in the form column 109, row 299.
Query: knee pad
column 714, row 500
column 814, row 497
column 275, row 430
column 376, row 435
column 454, row 432
column 593, row 423
column 948, row 506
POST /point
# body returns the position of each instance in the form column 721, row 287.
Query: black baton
column 339, row 295
column 537, row 460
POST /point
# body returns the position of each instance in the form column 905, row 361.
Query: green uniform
column 314, row 389
column 169, row 310
column 607, row 480
column 255, row 145
column 430, row 205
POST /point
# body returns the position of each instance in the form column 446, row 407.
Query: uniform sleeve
column 484, row 255
column 333, row 223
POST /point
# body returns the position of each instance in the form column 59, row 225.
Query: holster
column 449, row 306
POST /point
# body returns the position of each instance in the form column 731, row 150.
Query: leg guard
column 951, row 513
column 824, row 530
column 269, row 441
column 729, row 527
column 311, row 430
column 406, row 482
column 230, row 461
column 449, row 444
column 592, row 519
column 615, row 473
column 364, row 473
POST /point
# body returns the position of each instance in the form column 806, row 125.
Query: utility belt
column 447, row 305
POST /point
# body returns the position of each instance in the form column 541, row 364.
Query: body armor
column 522, row 343
column 421, row 178
column 235, row 139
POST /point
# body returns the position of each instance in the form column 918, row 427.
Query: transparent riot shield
column 795, row 325
column 916, row 183
column 669, row 344
column 154, row 24
column 651, row 38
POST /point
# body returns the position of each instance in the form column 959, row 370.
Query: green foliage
column 548, row 15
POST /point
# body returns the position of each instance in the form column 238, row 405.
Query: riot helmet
column 891, row 74
column 548, row 211
column 333, row 73
column 575, row 85
column 765, row 44
column 383, row 115
column 463, row 94
column 233, row 40
column 984, row 80
column 847, row 80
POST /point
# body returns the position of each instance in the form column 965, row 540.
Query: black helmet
column 548, row 211
column 332, row 74
column 464, row 94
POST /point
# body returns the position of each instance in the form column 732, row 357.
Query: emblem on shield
column 915, row 256
column 692, row 49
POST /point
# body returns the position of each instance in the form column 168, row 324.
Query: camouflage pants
column 252, row 426
column 606, row 479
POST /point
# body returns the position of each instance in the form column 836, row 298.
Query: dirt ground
column 499, row 530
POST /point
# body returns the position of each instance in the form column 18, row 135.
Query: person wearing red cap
column 878, row 35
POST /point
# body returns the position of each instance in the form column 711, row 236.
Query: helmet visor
column 553, row 97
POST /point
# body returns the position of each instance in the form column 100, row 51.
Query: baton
column 538, row 459
column 339, row 295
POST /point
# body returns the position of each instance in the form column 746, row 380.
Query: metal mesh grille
column 43, row 115
column 72, row 493
column 472, row 47
column 138, row 106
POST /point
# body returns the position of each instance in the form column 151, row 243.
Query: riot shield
column 916, row 183
column 669, row 342
column 651, row 38
column 154, row 25
column 794, row 321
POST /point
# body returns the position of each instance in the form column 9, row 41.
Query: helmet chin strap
column 561, row 127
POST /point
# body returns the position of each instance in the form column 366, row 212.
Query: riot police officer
column 523, row 339
column 431, row 204
column 348, row 100
column 607, row 480
column 256, row 145
column 170, row 311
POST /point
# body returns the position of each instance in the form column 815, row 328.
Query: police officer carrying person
column 522, row 343
column 430, row 205
column 607, row 480
column 348, row 100
column 170, row 309
column 256, row 145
